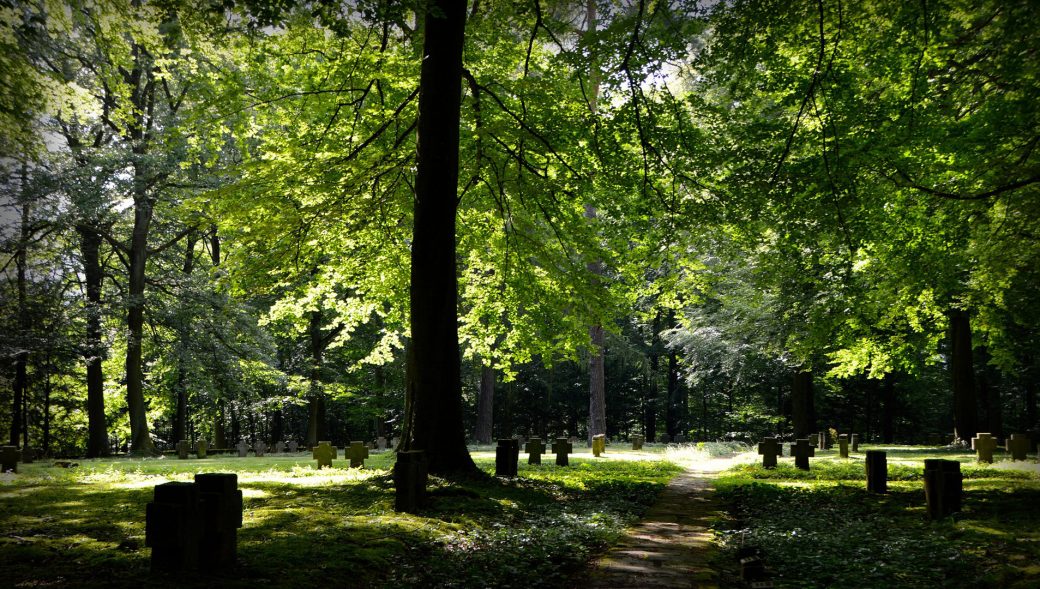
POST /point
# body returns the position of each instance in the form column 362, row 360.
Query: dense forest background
column 713, row 220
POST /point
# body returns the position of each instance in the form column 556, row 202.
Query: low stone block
column 599, row 444
column 1018, row 446
column 279, row 447
column 410, row 476
column 201, row 448
column 877, row 471
column 9, row 456
column 183, row 447
column 507, row 454
column 243, row 449
column 293, row 446
column 260, row 448
column 943, row 485
column 637, row 442
column 843, row 446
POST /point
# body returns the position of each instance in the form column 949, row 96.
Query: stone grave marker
column 324, row 453
column 534, row 448
column 573, row 440
column 200, row 448
column 243, row 448
column 599, row 444
column 943, row 484
column 562, row 447
column 357, row 453
column 293, row 446
column 855, row 442
column 507, row 454
column 183, row 447
column 410, row 476
column 665, row 439
column 984, row 444
column 173, row 527
column 1018, row 446
column 9, row 456
column 260, row 448
column 802, row 451
column 680, row 439
column 769, row 449
column 822, row 441
column 843, row 446
column 279, row 447
column 28, row 455
column 877, row 471
column 637, row 442
column 393, row 442
column 380, row 443
column 221, row 507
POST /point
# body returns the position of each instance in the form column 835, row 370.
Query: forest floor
column 84, row 527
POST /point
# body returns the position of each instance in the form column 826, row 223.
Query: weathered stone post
column 9, row 456
column 637, row 442
column 507, row 454
column 843, row 446
column 220, row 501
column 599, row 444
column 855, row 442
column 410, row 475
column 877, row 471
column 173, row 527
column 943, row 484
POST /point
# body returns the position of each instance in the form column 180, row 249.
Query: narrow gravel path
column 671, row 545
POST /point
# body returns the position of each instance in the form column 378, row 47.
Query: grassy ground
column 822, row 529
column 302, row 527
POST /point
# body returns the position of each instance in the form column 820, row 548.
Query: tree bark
column 962, row 375
column 21, row 378
column 93, row 349
column 889, row 410
column 433, row 390
column 650, row 406
column 671, row 415
column 485, row 405
column 140, row 438
column 316, row 422
column 803, row 405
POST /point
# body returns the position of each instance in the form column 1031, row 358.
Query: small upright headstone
column 221, row 507
column 573, row 440
column 843, row 446
column 507, row 453
column 200, row 448
column 410, row 475
column 1018, row 446
column 637, row 442
column 562, row 447
column 769, row 449
column 534, row 448
column 357, row 453
column 599, row 444
column 279, row 447
column 666, row 439
column 380, row 443
column 173, row 527
column 855, row 442
column 293, row 446
column 802, row 450
column 324, row 453
column 943, row 484
column 393, row 442
column 28, row 455
column 260, row 448
column 877, row 471
column 183, row 447
column 9, row 456
column 243, row 448
column 822, row 442
column 984, row 444
column 680, row 439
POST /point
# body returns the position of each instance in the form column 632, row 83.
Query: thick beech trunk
column 485, row 405
column 21, row 378
column 433, row 390
column 672, row 412
column 140, row 438
column 650, row 405
column 93, row 349
column 962, row 375
column 803, row 412
column 316, row 422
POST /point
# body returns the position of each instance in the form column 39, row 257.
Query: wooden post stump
column 943, row 484
column 410, row 475
column 877, row 471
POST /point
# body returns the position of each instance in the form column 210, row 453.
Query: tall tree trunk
column 650, row 406
column 94, row 349
column 803, row 409
column 21, row 377
column 433, row 389
column 1030, row 400
column 597, row 376
column 220, row 439
column 184, row 334
column 889, row 410
column 47, row 408
column 671, row 414
column 962, row 375
column 989, row 395
column 316, row 423
column 140, row 438
column 485, row 405
column 868, row 429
